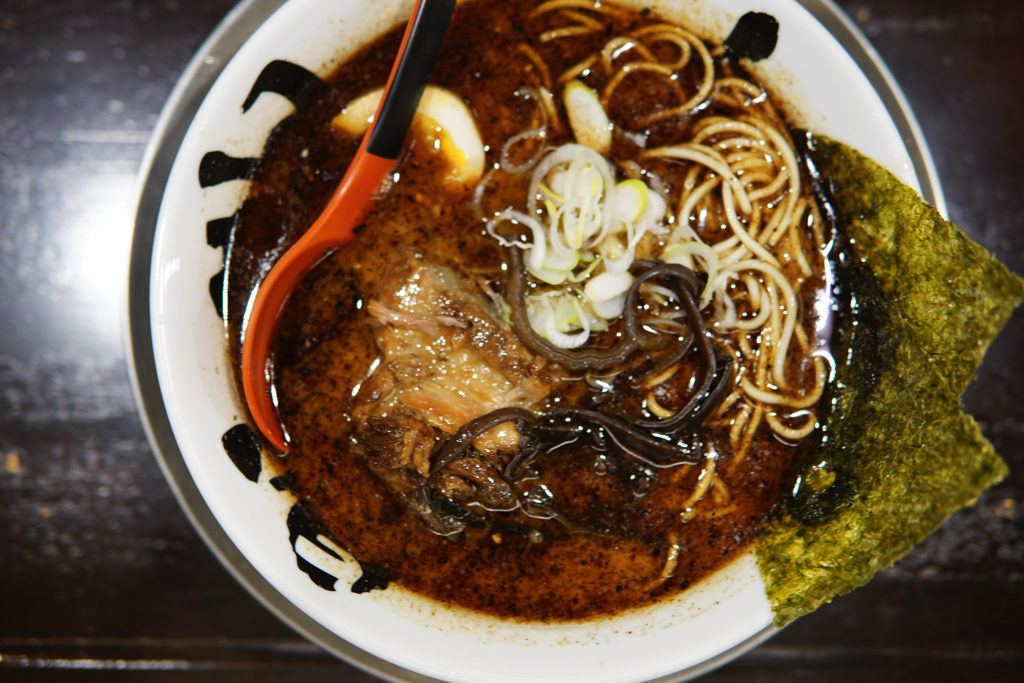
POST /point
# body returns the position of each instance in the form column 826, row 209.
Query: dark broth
column 625, row 515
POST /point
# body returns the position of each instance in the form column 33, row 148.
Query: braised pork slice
column 446, row 358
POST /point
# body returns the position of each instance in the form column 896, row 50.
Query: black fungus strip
column 686, row 296
column 459, row 442
column 498, row 494
column 654, row 448
column 659, row 443
column 577, row 360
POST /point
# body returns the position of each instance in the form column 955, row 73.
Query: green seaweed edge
column 896, row 456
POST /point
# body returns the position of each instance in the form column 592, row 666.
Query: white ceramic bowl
column 822, row 66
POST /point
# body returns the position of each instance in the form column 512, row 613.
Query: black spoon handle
column 420, row 47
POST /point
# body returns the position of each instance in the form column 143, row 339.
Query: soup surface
column 438, row 315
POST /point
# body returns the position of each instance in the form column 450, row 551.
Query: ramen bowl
column 252, row 73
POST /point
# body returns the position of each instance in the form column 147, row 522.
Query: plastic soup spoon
column 352, row 199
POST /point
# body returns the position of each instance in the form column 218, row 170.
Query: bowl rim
column 169, row 131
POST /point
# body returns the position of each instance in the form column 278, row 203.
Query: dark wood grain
column 101, row 575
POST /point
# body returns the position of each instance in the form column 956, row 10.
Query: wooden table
column 101, row 575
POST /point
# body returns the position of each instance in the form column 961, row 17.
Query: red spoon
column 349, row 204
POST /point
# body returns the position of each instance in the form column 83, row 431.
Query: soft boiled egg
column 441, row 113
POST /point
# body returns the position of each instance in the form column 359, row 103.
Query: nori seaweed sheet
column 919, row 303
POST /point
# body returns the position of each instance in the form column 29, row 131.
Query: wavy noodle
column 538, row 63
column 620, row 45
column 742, row 220
column 707, row 83
column 634, row 67
column 746, row 171
column 705, row 480
column 551, row 5
column 577, row 70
